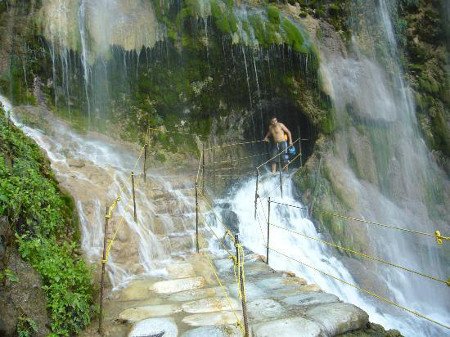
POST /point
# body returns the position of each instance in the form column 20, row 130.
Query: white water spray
column 95, row 171
column 312, row 253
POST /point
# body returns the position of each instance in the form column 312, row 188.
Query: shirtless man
column 277, row 131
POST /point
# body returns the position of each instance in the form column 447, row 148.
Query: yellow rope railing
column 216, row 275
column 234, row 144
column 371, row 293
column 366, row 256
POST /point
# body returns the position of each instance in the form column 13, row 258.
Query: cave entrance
column 288, row 113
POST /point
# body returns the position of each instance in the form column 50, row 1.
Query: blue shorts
column 278, row 148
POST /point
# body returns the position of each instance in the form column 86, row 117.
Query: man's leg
column 273, row 153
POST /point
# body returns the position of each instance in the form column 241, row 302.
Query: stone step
column 174, row 286
column 188, row 297
column 213, row 318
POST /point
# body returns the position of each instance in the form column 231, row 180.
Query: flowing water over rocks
column 157, row 285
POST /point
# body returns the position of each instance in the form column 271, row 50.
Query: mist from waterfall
column 296, row 246
column 386, row 163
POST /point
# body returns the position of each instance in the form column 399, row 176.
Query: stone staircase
column 189, row 302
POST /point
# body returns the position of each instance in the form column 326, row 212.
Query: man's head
column 273, row 120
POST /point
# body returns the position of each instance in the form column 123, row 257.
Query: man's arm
column 266, row 138
column 286, row 130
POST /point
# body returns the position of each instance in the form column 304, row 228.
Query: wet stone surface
column 188, row 301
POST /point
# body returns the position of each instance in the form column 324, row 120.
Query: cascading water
column 392, row 178
column 318, row 263
column 381, row 159
column 96, row 172
column 96, row 30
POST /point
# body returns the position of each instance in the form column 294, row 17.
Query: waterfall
column 384, row 163
column 94, row 29
column 239, row 207
column 96, row 171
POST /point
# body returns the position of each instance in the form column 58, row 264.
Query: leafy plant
column 8, row 275
column 26, row 327
column 46, row 229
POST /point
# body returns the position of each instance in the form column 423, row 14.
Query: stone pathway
column 189, row 302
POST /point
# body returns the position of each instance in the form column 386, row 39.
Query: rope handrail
column 119, row 226
column 233, row 160
column 436, row 235
column 121, row 186
column 234, row 144
column 227, row 296
column 379, row 224
column 277, row 186
column 284, row 204
column 371, row 293
column 364, row 255
column 176, row 132
column 278, row 154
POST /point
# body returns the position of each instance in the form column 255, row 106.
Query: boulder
column 338, row 318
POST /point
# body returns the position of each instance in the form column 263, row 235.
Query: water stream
column 378, row 155
column 314, row 255
column 96, row 170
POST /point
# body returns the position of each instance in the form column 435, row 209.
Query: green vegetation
column 46, row 230
column 26, row 327
column 424, row 26
column 7, row 275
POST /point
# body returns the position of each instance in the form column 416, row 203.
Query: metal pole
column 242, row 285
column 134, row 197
column 145, row 162
column 203, row 168
column 268, row 231
column 196, row 217
column 300, row 151
column 281, row 175
column 256, row 191
column 102, row 278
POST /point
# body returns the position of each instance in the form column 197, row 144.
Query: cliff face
column 424, row 25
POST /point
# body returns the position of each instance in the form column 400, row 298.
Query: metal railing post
column 196, row 218
column 102, row 277
column 134, row 197
column 256, row 191
column 268, row 231
column 281, row 175
column 241, row 284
